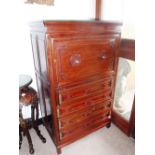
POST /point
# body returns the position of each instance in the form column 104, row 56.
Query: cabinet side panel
column 40, row 65
column 53, row 83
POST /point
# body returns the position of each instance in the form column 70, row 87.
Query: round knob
column 75, row 60
column 102, row 55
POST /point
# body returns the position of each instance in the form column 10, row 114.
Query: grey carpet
column 105, row 141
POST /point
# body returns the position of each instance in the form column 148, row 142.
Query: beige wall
column 123, row 11
column 128, row 31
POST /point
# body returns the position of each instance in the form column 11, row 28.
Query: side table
column 28, row 97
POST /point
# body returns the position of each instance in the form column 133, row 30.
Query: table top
column 24, row 80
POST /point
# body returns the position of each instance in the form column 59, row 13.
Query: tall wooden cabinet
column 75, row 65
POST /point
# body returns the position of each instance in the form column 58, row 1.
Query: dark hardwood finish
column 98, row 10
column 75, row 64
column 127, row 127
column 120, row 122
column 127, row 51
column 132, row 121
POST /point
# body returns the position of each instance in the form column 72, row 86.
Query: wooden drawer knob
column 102, row 55
column 75, row 60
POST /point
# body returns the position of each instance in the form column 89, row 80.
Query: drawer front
column 80, row 58
column 85, row 114
column 84, row 103
column 84, row 129
column 92, row 118
column 73, row 92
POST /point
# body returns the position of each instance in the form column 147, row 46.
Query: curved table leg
column 35, row 125
column 31, row 149
column 20, row 137
column 26, row 132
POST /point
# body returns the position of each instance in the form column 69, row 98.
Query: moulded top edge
column 53, row 22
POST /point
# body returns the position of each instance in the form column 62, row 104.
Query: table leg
column 20, row 137
column 35, row 123
column 26, row 132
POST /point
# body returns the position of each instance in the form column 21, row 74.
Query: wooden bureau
column 75, row 65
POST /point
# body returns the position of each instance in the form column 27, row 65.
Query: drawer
column 85, row 127
column 81, row 58
column 85, row 114
column 73, row 92
column 68, row 108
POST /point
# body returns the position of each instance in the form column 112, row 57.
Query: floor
column 102, row 142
